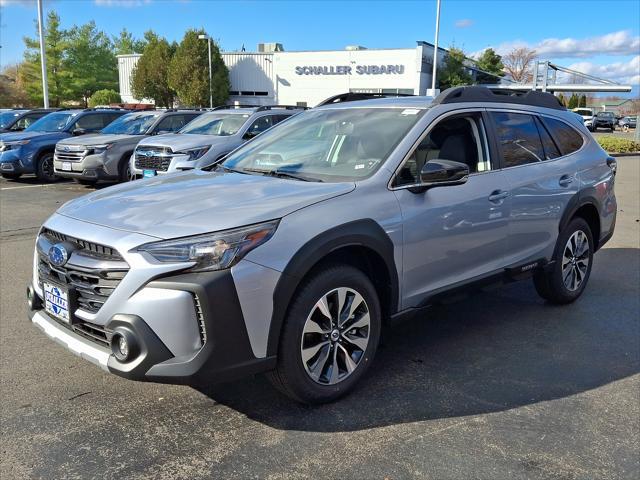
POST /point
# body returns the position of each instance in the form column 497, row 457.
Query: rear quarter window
column 566, row 137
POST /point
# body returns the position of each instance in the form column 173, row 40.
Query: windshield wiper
column 281, row 174
column 225, row 168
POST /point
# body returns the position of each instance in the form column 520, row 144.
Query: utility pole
column 435, row 49
column 208, row 39
column 43, row 58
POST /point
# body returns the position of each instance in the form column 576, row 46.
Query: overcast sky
column 593, row 36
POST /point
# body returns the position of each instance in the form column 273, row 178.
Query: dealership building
column 274, row 76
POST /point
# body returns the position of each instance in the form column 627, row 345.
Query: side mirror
column 249, row 135
column 78, row 131
column 162, row 132
column 442, row 173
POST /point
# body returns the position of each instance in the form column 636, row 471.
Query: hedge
column 618, row 145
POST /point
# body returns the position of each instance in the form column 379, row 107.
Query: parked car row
column 117, row 145
column 289, row 255
column 607, row 120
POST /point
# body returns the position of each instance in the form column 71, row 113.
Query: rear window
column 518, row 138
column 567, row 138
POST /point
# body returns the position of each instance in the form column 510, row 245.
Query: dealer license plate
column 148, row 173
column 56, row 301
column 66, row 166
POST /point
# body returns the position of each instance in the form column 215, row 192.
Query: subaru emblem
column 65, row 148
column 58, row 255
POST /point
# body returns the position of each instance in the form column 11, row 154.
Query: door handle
column 565, row 180
column 498, row 195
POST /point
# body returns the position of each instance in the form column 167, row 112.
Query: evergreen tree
column 189, row 72
column 125, row 43
column 489, row 62
column 453, row 72
column 583, row 101
column 573, row 101
column 150, row 77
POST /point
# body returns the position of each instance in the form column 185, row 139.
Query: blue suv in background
column 31, row 151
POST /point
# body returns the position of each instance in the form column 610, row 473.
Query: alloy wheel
column 575, row 260
column 335, row 336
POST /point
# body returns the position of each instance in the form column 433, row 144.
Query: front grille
column 153, row 158
column 90, row 331
column 93, row 271
column 70, row 155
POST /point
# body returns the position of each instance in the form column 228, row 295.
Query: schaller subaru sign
column 347, row 70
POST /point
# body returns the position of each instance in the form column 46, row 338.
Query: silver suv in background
column 207, row 139
column 105, row 156
column 290, row 255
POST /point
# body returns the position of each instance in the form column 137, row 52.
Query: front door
column 452, row 234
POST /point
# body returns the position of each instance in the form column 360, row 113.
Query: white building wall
column 126, row 63
column 251, row 77
column 311, row 77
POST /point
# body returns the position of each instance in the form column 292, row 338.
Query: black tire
column 44, row 168
column 124, row 170
column 83, row 181
column 11, row 176
column 291, row 376
column 551, row 284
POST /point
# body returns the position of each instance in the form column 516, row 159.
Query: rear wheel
column 11, row 176
column 566, row 281
column 44, row 168
column 329, row 337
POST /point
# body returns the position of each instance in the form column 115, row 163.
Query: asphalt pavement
column 497, row 385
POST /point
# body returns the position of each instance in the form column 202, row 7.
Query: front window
column 327, row 145
column 131, row 124
column 54, row 122
column 218, row 124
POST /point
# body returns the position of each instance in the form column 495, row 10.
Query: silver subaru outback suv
column 290, row 255
column 207, row 139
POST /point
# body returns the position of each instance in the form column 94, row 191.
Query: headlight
column 4, row 146
column 212, row 251
column 195, row 153
column 96, row 149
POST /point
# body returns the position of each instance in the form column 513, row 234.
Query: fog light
column 124, row 345
column 33, row 300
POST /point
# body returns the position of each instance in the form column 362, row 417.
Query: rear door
column 541, row 180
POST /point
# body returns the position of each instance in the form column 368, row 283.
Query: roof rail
column 285, row 107
column 225, row 107
column 498, row 95
column 96, row 109
column 356, row 96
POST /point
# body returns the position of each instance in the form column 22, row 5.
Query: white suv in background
column 206, row 139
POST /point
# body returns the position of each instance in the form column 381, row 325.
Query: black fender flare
column 582, row 198
column 366, row 233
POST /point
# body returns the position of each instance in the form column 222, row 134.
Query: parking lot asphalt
column 497, row 385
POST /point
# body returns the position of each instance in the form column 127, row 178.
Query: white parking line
column 24, row 186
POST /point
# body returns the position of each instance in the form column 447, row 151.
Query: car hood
column 193, row 202
column 16, row 136
column 99, row 139
column 183, row 141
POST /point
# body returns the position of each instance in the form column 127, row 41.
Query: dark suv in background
column 31, row 151
column 604, row 120
column 17, row 119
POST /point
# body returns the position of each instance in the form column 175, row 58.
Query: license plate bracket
column 59, row 301
column 66, row 166
column 149, row 173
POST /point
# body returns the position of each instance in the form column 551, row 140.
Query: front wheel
column 566, row 281
column 44, row 169
column 330, row 336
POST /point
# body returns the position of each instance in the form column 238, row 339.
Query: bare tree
column 518, row 62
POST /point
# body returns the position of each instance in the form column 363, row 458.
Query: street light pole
column 208, row 39
column 435, row 49
column 43, row 58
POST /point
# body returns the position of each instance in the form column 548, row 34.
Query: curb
column 624, row 154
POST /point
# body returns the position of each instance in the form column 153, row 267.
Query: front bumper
column 90, row 167
column 225, row 353
column 11, row 162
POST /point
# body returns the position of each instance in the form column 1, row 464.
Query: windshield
column 131, row 124
column 327, row 145
column 586, row 113
column 54, row 122
column 7, row 118
column 219, row 124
